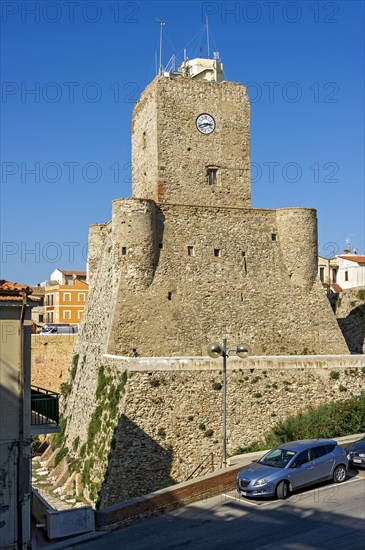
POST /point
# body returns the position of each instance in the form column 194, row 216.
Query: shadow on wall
column 137, row 465
column 353, row 329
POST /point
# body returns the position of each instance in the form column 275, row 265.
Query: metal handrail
column 209, row 456
column 45, row 406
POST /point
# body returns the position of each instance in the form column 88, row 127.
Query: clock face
column 205, row 123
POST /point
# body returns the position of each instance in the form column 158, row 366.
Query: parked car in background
column 61, row 328
column 291, row 466
column 356, row 452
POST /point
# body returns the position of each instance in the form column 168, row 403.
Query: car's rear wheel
column 339, row 475
column 282, row 490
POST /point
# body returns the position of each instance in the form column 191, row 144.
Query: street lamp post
column 220, row 350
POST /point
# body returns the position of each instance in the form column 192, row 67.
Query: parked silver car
column 356, row 453
column 291, row 466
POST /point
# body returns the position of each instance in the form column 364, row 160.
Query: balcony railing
column 44, row 405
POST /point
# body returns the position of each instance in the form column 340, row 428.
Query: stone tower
column 186, row 259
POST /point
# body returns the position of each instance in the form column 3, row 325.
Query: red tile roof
column 336, row 287
column 10, row 291
column 354, row 258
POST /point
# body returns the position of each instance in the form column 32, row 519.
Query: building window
column 81, row 297
column 212, row 174
column 79, row 314
column 40, row 318
column 321, row 274
column 50, row 317
column 334, row 275
column 124, row 250
column 169, row 295
column 217, row 252
column 49, row 299
column 244, row 262
column 160, row 246
column 67, row 296
column 191, row 251
column 346, row 275
column 274, row 237
column 67, row 314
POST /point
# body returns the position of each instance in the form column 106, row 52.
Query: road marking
column 244, row 500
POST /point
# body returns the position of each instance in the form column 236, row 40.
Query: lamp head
column 243, row 351
column 215, row 350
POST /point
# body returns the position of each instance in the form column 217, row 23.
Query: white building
column 351, row 271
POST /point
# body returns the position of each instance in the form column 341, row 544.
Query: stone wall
column 349, row 307
column 236, row 281
column 51, row 359
column 168, row 414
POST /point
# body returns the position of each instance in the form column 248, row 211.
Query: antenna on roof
column 160, row 70
column 207, row 26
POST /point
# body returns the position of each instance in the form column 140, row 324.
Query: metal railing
column 45, row 406
column 206, row 465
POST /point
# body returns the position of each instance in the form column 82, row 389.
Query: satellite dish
column 215, row 350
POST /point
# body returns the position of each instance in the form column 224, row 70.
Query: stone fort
column 192, row 260
column 183, row 263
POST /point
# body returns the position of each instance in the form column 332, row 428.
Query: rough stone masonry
column 184, row 262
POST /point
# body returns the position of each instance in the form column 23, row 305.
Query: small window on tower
column 212, row 174
column 124, row 250
column 160, row 246
column 217, row 252
column 274, row 237
column 191, row 251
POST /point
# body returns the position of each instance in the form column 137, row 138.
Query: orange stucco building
column 66, row 303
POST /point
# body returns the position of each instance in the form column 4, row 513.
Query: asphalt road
column 324, row 518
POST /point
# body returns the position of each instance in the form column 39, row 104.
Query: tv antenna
column 207, row 27
column 162, row 23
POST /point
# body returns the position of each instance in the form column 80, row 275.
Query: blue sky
column 65, row 147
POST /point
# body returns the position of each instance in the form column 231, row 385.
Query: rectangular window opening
column 212, row 174
column 274, row 237
column 169, row 295
column 244, row 262
column 321, row 274
column 160, row 246
column 124, row 250
column 346, row 275
column 191, row 251
column 217, row 252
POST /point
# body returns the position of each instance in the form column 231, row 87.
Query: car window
column 330, row 448
column 302, row 458
column 277, row 458
column 317, row 452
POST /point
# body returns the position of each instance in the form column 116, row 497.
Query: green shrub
column 202, row 426
column 257, row 395
column 154, row 382
column 75, row 443
column 208, row 433
column 342, row 388
column 60, row 455
column 333, row 419
column 361, row 294
column 255, row 379
column 334, row 375
column 353, row 303
column 73, row 370
column 217, row 386
column 161, row 432
column 190, row 418
column 65, row 389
